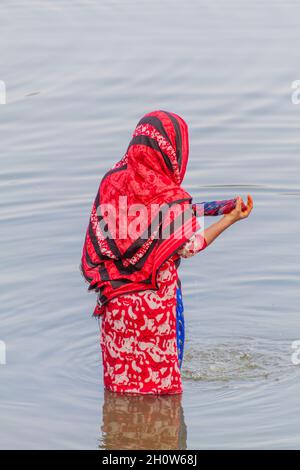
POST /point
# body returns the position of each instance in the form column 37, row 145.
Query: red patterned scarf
column 141, row 214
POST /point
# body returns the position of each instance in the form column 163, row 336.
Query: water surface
column 79, row 75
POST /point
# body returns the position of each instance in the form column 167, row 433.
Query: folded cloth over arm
column 214, row 208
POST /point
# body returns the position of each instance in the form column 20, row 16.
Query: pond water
column 78, row 77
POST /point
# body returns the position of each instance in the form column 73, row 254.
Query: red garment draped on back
column 149, row 174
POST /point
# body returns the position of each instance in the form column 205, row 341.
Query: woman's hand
column 214, row 230
column 237, row 213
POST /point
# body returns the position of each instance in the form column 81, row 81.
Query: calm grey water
column 79, row 75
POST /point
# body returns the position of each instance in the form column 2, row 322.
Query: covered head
column 139, row 192
column 159, row 148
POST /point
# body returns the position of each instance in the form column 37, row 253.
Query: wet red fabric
column 150, row 173
column 138, row 339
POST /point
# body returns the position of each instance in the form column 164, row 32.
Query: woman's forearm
column 214, row 230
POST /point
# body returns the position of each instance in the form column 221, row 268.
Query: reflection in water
column 142, row 422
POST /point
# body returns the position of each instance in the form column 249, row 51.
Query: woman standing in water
column 142, row 223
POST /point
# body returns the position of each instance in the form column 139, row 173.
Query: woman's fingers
column 238, row 206
column 250, row 202
column 249, row 206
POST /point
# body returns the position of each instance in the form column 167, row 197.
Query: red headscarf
column 149, row 174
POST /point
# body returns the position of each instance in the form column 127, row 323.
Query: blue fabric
column 179, row 325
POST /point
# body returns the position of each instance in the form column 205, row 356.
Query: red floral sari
column 139, row 334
